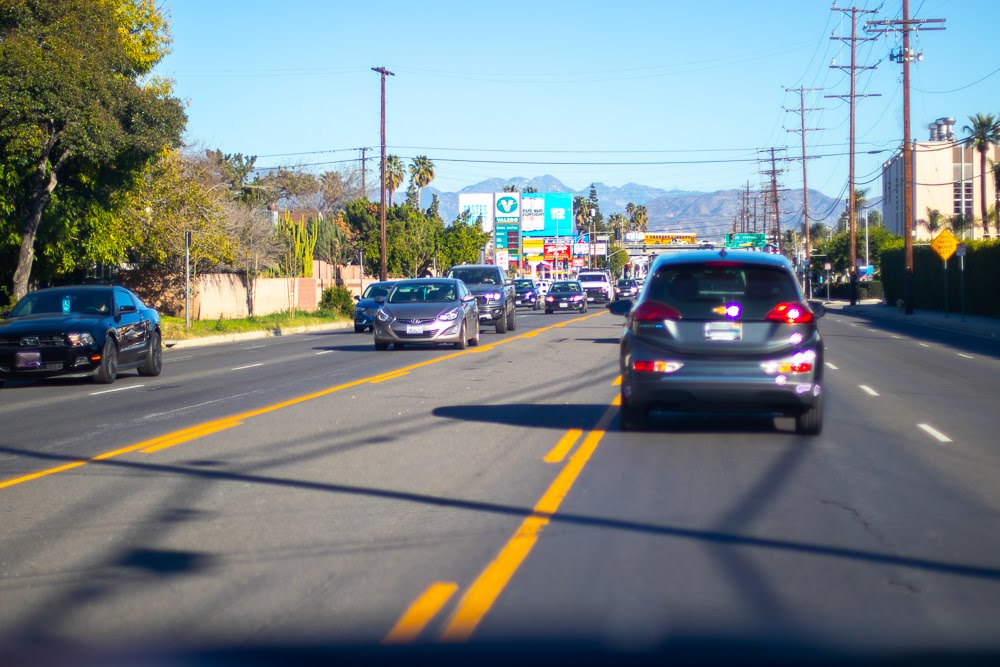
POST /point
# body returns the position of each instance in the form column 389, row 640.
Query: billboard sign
column 507, row 207
column 532, row 212
column 547, row 214
column 478, row 205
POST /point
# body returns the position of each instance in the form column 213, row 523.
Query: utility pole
column 805, row 179
column 905, row 56
column 382, row 269
column 773, row 173
column 853, row 68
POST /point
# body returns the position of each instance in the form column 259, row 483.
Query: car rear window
column 698, row 290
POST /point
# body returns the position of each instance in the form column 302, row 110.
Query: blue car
column 365, row 308
column 100, row 330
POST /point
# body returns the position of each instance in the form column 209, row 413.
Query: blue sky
column 522, row 88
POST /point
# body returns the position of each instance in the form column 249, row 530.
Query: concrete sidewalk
column 974, row 325
column 254, row 335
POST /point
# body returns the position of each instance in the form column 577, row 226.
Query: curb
column 253, row 335
column 988, row 330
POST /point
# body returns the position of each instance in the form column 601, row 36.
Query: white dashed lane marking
column 240, row 368
column 938, row 435
column 831, row 366
column 868, row 390
column 108, row 391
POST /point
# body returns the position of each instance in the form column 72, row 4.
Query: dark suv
column 494, row 292
column 717, row 331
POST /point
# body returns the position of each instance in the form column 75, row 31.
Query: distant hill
column 709, row 214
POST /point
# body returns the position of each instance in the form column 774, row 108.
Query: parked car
column 626, row 288
column 365, row 308
column 526, row 294
column 98, row 329
column 427, row 311
column 494, row 291
column 718, row 331
column 565, row 295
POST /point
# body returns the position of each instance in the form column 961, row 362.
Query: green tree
column 619, row 223
column 421, row 174
column 617, row 259
column 595, row 206
column 983, row 131
column 461, row 242
column 394, row 174
column 77, row 111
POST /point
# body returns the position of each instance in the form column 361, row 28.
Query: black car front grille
column 426, row 334
column 30, row 341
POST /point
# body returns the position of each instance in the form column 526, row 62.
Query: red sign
column 551, row 250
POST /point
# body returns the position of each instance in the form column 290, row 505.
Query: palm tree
column 860, row 199
column 618, row 224
column 641, row 217
column 422, row 173
column 394, row 174
column 934, row 219
column 985, row 130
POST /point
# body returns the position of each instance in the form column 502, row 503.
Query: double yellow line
column 207, row 428
column 473, row 606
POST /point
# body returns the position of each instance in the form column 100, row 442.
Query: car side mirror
column 380, row 300
column 468, row 298
column 819, row 310
column 357, row 298
column 508, row 282
column 621, row 307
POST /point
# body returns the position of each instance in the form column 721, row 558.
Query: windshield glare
column 475, row 276
column 566, row 287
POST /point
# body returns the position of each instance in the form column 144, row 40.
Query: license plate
column 518, row 303
column 723, row 331
column 27, row 360
column 564, row 305
column 414, row 329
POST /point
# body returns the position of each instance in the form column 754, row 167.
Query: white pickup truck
column 597, row 285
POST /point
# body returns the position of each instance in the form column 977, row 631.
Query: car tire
column 633, row 417
column 359, row 328
column 512, row 324
column 153, row 363
column 462, row 342
column 548, row 312
column 474, row 342
column 381, row 347
column 108, row 370
column 810, row 422
column 502, row 325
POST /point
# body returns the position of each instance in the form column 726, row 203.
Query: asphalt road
column 309, row 489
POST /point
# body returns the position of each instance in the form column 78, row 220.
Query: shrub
column 338, row 300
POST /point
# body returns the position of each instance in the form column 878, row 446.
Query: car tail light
column 654, row 311
column 658, row 366
column 790, row 313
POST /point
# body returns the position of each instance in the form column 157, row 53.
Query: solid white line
column 253, row 347
column 967, row 356
column 868, row 390
column 924, row 345
column 853, row 325
column 178, row 358
column 895, row 336
column 874, row 330
column 324, row 352
column 108, row 391
column 240, row 368
column 941, row 437
column 831, row 366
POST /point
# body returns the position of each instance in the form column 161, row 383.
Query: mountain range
column 709, row 214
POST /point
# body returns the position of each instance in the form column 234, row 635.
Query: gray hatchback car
column 721, row 332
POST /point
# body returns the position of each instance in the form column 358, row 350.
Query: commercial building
column 946, row 178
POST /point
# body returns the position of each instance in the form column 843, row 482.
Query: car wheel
column 463, row 342
column 811, row 421
column 548, row 311
column 512, row 324
column 633, row 417
column 474, row 342
column 108, row 370
column 502, row 325
column 153, row 364
column 381, row 347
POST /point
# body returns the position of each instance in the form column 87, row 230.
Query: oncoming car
column 95, row 329
column 427, row 311
column 717, row 331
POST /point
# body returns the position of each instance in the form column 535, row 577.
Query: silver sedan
column 427, row 311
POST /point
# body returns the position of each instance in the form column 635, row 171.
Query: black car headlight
column 80, row 339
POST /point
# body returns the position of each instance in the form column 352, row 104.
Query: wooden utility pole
column 773, row 173
column 805, row 179
column 905, row 56
column 382, row 268
column 853, row 69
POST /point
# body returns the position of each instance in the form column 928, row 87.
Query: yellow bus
column 668, row 238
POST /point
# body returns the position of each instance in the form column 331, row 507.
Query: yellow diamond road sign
column 945, row 244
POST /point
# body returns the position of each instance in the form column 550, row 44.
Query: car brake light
column 654, row 311
column 790, row 313
column 658, row 366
